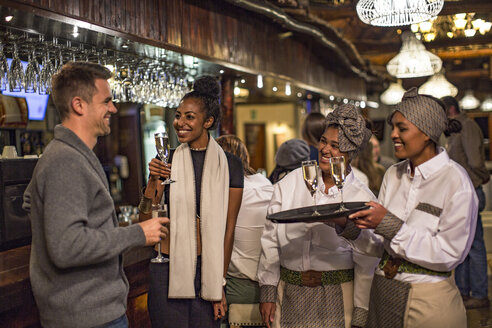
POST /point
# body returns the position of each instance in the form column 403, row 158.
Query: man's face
column 101, row 108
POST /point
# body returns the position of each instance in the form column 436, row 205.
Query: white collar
column 431, row 166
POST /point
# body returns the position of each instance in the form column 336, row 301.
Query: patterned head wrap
column 352, row 131
column 425, row 112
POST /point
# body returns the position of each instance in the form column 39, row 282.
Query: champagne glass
column 339, row 173
column 4, row 70
column 16, row 73
column 162, row 146
column 45, row 75
column 310, row 173
column 31, row 78
column 158, row 211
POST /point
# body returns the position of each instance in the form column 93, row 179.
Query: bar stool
column 245, row 315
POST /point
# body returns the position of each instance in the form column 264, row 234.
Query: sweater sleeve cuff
column 136, row 235
column 350, row 232
column 389, row 226
column 268, row 294
column 359, row 317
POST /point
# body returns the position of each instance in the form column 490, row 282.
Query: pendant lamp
column 393, row 94
column 437, row 86
column 487, row 104
column 469, row 101
column 397, row 12
column 413, row 60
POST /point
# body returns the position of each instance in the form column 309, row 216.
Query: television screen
column 36, row 103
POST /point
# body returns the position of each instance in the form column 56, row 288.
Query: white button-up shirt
column 438, row 243
column 313, row 246
column 257, row 193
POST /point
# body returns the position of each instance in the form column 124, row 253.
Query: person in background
column 242, row 282
column 467, row 149
column 203, row 204
column 76, row 269
column 374, row 171
column 423, row 224
column 385, row 161
column 289, row 156
column 312, row 129
column 309, row 276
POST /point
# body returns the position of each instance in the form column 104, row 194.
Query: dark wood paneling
column 214, row 30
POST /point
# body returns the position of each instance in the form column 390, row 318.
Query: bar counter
column 17, row 306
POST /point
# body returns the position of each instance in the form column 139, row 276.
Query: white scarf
column 213, row 217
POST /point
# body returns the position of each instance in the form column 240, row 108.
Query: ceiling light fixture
column 413, row 60
column 288, row 90
column 397, row 12
column 487, row 104
column 438, row 86
column 8, row 18
column 393, row 94
column 459, row 25
column 75, row 32
column 469, row 101
column 259, row 81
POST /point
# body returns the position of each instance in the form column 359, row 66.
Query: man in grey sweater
column 76, row 267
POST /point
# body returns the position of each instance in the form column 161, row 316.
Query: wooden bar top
column 16, row 297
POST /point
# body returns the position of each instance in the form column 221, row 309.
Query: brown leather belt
column 313, row 278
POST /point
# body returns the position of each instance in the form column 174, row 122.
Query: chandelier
column 393, row 94
column 413, row 60
column 397, row 12
column 437, row 86
column 469, row 101
column 459, row 25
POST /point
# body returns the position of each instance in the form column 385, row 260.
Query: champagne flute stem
column 159, row 250
column 315, row 213
column 342, row 207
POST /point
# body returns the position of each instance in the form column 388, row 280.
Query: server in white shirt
column 309, row 276
column 424, row 224
column 242, row 283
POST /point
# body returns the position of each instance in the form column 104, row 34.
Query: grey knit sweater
column 76, row 268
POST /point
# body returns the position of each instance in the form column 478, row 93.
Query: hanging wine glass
column 137, row 86
column 117, row 84
column 45, row 75
column 58, row 61
column 16, row 72
column 127, row 86
column 31, row 78
column 4, row 70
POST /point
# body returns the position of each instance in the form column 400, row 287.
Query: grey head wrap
column 352, row 131
column 291, row 153
column 425, row 112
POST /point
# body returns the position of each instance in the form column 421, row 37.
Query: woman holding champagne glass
column 310, row 276
column 423, row 224
column 203, row 203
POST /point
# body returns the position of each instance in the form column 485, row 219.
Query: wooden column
column 227, row 105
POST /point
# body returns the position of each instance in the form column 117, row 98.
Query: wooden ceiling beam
column 468, row 74
column 384, row 58
column 366, row 46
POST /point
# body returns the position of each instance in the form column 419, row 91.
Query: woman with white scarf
column 203, row 205
column 423, row 224
column 309, row 276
